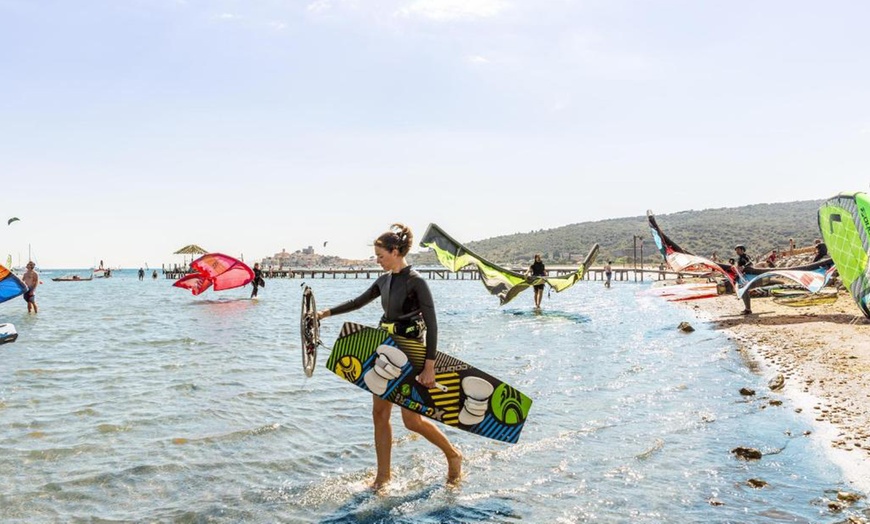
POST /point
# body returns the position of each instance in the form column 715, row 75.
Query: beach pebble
column 776, row 382
column 756, row 483
column 685, row 327
column 747, row 392
column 846, row 496
column 747, row 453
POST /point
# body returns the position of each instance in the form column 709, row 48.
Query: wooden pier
column 595, row 273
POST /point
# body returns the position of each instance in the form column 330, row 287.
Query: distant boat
column 72, row 278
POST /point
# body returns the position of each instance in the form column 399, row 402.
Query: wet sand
column 823, row 353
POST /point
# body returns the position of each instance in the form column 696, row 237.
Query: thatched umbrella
column 190, row 249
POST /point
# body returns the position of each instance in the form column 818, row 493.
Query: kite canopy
column 191, row 249
column 13, row 219
column 842, row 223
column 501, row 282
column 10, row 285
column 813, row 276
column 216, row 270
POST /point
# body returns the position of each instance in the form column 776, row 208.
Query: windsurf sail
column 10, row 285
column 501, row 282
column 843, row 221
column 218, row 271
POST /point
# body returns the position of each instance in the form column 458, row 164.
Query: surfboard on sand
column 468, row 399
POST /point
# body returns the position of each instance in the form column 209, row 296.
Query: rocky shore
column 821, row 355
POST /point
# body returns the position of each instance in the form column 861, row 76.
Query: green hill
column 761, row 227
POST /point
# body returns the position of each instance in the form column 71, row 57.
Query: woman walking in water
column 406, row 300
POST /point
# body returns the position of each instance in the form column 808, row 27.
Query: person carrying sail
column 409, row 310
column 258, row 279
column 537, row 269
column 743, row 262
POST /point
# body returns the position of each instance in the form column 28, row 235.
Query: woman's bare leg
column 415, row 422
column 381, row 410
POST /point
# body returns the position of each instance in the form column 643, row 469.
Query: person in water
column 407, row 301
column 608, row 273
column 743, row 262
column 141, row 274
column 31, row 280
column 258, row 277
column 537, row 269
column 154, row 274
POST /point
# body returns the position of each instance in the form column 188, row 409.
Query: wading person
column 537, row 269
column 407, row 302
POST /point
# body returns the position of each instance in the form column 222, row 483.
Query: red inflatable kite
column 218, row 271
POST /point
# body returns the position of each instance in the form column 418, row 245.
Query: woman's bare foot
column 454, row 467
column 379, row 484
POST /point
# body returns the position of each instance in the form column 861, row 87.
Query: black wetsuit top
column 403, row 295
column 821, row 251
column 743, row 261
column 538, row 269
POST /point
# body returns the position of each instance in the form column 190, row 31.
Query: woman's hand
column 323, row 314
column 427, row 376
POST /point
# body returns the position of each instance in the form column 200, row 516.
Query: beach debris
column 685, row 327
column 715, row 502
column 746, row 453
column 747, row 392
column 756, row 483
column 774, row 402
column 777, row 382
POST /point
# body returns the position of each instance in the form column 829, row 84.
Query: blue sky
column 129, row 128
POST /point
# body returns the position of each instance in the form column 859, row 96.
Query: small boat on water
column 72, row 278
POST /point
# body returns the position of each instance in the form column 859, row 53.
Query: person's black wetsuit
column 538, row 270
column 403, row 296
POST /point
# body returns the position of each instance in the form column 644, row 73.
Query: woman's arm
column 370, row 294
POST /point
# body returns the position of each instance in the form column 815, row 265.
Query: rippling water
column 134, row 401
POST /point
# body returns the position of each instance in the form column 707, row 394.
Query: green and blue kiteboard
column 464, row 397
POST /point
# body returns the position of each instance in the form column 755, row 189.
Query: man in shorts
column 31, row 280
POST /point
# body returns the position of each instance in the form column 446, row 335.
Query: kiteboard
column 310, row 329
column 468, row 398
column 7, row 333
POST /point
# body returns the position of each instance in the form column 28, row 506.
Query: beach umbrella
column 191, row 249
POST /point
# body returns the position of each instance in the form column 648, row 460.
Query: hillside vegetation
column 761, row 227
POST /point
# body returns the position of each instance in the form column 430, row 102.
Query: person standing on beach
column 537, row 269
column 406, row 300
column 31, row 280
column 258, row 277
column 743, row 262
column 608, row 272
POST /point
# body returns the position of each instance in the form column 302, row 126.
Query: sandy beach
column 823, row 354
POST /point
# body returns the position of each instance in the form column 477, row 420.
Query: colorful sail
column 813, row 280
column 845, row 223
column 501, row 282
column 218, row 271
column 678, row 259
column 813, row 276
column 10, row 285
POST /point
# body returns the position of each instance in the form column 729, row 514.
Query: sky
column 131, row 128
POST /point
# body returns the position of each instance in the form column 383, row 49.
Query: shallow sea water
column 129, row 401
